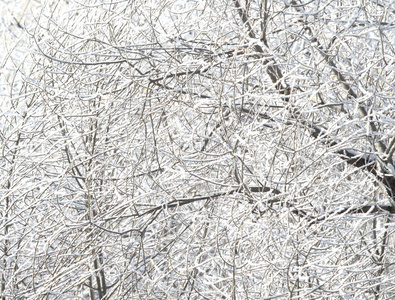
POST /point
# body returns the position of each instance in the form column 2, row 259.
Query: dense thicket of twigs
column 200, row 150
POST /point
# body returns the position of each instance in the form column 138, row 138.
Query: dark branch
column 366, row 209
column 185, row 201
